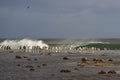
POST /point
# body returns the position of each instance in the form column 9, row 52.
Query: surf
column 15, row 44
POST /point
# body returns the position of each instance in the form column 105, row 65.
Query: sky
column 59, row 18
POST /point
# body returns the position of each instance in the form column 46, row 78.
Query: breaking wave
column 15, row 44
column 75, row 43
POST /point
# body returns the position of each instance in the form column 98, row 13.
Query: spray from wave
column 15, row 44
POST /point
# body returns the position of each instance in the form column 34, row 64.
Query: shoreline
column 59, row 66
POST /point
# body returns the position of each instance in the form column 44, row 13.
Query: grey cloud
column 59, row 18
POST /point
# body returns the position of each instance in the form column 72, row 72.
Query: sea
column 112, row 43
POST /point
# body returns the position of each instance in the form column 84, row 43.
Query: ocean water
column 112, row 44
column 76, row 43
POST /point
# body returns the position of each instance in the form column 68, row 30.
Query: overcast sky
column 60, row 18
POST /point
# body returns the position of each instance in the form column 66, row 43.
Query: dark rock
column 76, row 69
column 29, row 66
column 18, row 57
column 18, row 64
column 66, row 58
column 102, row 72
column 29, row 59
column 85, row 59
column 110, row 60
column 95, row 59
column 65, row 71
column 50, row 54
column 38, row 66
column 44, row 64
column 112, row 72
column 35, row 59
column 101, row 60
column 32, row 69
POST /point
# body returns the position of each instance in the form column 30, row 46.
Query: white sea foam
column 15, row 44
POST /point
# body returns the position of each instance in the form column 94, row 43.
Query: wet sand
column 59, row 66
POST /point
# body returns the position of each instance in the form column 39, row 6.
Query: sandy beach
column 100, row 65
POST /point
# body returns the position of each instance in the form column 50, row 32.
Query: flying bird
column 28, row 6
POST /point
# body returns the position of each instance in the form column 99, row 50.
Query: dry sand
column 61, row 66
